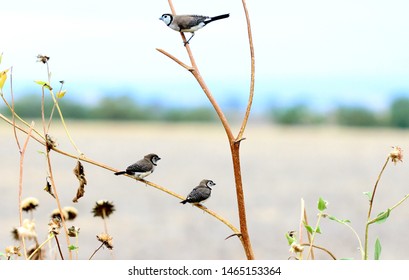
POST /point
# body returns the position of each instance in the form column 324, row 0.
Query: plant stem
column 234, row 142
column 370, row 209
column 40, row 246
column 313, row 235
column 321, row 248
column 58, row 245
column 101, row 165
column 100, row 246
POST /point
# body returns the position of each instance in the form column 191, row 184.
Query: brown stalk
column 234, row 142
column 99, row 164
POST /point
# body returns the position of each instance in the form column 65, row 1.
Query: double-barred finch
column 200, row 193
column 141, row 168
column 189, row 23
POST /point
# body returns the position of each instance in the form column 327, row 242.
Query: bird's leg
column 187, row 42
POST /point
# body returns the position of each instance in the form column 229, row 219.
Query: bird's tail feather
column 120, row 173
column 220, row 17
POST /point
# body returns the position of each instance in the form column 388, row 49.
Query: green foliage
column 399, row 113
column 356, row 116
column 378, row 249
column 322, row 204
column 108, row 108
column 296, row 115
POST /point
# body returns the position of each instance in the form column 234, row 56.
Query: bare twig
column 234, row 142
column 99, row 164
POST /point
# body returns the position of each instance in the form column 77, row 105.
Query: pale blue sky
column 321, row 51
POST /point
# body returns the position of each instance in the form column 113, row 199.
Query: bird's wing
column 140, row 166
column 187, row 22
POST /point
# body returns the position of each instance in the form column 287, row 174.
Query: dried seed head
column 72, row 213
column 56, row 214
column 12, row 250
column 106, row 239
column 54, row 226
column 396, row 155
column 27, row 230
column 296, row 248
column 103, row 209
column 43, row 58
column 73, row 231
column 29, row 204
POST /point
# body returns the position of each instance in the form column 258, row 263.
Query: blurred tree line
column 110, row 108
column 125, row 108
column 397, row 115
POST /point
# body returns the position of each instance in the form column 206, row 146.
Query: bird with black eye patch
column 189, row 23
column 141, row 168
column 200, row 193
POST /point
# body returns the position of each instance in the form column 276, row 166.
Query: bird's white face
column 166, row 18
column 210, row 183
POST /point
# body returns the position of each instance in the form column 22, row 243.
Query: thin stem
column 321, row 248
column 357, row 237
column 375, row 188
column 305, row 219
column 20, row 183
column 93, row 162
column 40, row 246
column 104, row 218
column 234, row 143
column 313, row 234
column 58, row 245
column 100, row 246
column 252, row 75
column 50, row 173
column 370, row 209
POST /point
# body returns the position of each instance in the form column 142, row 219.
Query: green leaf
column 378, row 249
column 43, row 84
column 322, row 204
column 72, row 247
column 368, row 194
column 61, row 94
column 381, row 218
column 290, row 239
column 3, row 78
column 318, row 230
column 338, row 220
column 309, row 228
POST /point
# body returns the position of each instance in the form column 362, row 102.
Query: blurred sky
column 320, row 52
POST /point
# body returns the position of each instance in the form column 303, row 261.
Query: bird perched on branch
column 141, row 168
column 200, row 193
column 189, row 23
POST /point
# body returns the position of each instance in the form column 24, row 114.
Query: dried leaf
column 79, row 173
column 3, row 78
column 48, row 189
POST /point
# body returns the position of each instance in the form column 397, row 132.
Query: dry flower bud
column 106, row 239
column 296, row 248
column 72, row 213
column 27, row 230
column 103, row 209
column 54, row 226
column 396, row 154
column 12, row 250
column 73, row 231
column 56, row 214
column 29, row 204
column 43, row 58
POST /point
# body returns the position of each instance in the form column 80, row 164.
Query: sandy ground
column 280, row 166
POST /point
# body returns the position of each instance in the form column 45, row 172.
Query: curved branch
column 252, row 77
column 93, row 162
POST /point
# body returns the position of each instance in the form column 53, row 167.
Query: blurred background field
column 280, row 166
column 331, row 98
